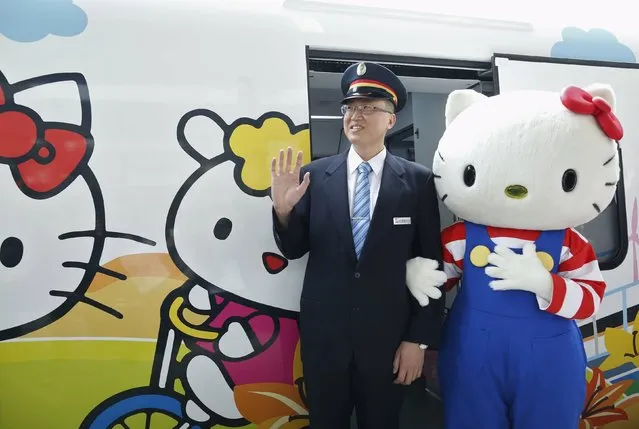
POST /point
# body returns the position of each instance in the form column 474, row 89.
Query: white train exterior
column 138, row 272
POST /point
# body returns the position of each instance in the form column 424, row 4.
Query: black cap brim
column 369, row 95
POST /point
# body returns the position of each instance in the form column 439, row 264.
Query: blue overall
column 504, row 362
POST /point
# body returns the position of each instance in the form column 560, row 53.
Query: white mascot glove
column 424, row 279
column 520, row 272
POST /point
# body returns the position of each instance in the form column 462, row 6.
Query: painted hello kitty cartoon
column 522, row 169
column 52, row 221
column 218, row 233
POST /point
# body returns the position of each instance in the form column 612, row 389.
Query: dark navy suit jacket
column 363, row 308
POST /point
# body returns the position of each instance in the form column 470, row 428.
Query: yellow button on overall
column 479, row 256
column 546, row 259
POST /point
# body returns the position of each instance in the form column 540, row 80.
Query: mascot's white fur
column 521, row 169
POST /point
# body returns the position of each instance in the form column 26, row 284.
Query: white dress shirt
column 374, row 178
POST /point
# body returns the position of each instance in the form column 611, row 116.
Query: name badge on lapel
column 401, row 221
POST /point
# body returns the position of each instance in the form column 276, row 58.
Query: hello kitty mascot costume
column 521, row 169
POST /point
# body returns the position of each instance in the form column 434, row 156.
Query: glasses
column 365, row 109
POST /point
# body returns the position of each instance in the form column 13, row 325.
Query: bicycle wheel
column 139, row 408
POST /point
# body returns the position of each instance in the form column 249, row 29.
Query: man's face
column 366, row 121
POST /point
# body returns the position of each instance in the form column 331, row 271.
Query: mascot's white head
column 532, row 160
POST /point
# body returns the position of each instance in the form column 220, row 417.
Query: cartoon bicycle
column 237, row 345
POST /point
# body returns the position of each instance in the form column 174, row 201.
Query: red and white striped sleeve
column 453, row 248
column 578, row 286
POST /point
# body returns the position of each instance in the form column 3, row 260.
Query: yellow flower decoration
column 622, row 346
column 257, row 142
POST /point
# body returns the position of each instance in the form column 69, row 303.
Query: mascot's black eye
column 223, row 228
column 469, row 175
column 11, row 252
column 569, row 180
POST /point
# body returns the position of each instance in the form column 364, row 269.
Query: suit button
column 356, row 275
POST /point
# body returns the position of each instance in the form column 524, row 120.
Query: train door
column 415, row 136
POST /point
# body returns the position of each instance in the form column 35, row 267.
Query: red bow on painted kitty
column 580, row 101
column 43, row 157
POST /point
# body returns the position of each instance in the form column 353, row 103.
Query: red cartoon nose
column 273, row 262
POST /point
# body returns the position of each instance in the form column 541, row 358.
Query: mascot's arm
column 453, row 248
column 423, row 276
column 427, row 315
column 578, row 287
column 575, row 292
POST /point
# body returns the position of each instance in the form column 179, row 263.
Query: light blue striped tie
column 361, row 207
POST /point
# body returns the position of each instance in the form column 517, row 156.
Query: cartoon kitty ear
column 201, row 134
column 459, row 100
column 58, row 97
column 602, row 90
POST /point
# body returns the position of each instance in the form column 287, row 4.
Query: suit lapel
column 336, row 189
column 390, row 191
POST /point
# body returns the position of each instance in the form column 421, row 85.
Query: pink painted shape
column 273, row 365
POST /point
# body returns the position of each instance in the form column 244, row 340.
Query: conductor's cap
column 371, row 80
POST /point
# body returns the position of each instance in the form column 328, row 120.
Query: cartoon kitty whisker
column 108, row 234
column 610, row 159
column 86, row 300
column 99, row 269
column 611, row 183
column 440, row 156
column 596, row 207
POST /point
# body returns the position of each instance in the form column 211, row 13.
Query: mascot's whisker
column 98, row 269
column 610, row 159
column 86, row 300
column 108, row 234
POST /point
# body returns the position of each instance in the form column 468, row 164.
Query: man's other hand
column 408, row 363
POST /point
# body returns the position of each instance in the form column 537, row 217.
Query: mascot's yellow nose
column 516, row 191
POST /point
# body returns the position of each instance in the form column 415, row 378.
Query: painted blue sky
column 33, row 20
column 596, row 44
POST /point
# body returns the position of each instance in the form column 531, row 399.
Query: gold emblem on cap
column 361, row 69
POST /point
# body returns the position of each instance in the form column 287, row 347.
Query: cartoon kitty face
column 224, row 236
column 51, row 212
column 40, row 268
column 221, row 235
column 524, row 160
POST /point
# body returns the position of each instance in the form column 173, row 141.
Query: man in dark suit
column 361, row 215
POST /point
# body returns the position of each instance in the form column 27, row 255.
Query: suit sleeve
column 293, row 240
column 426, row 322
